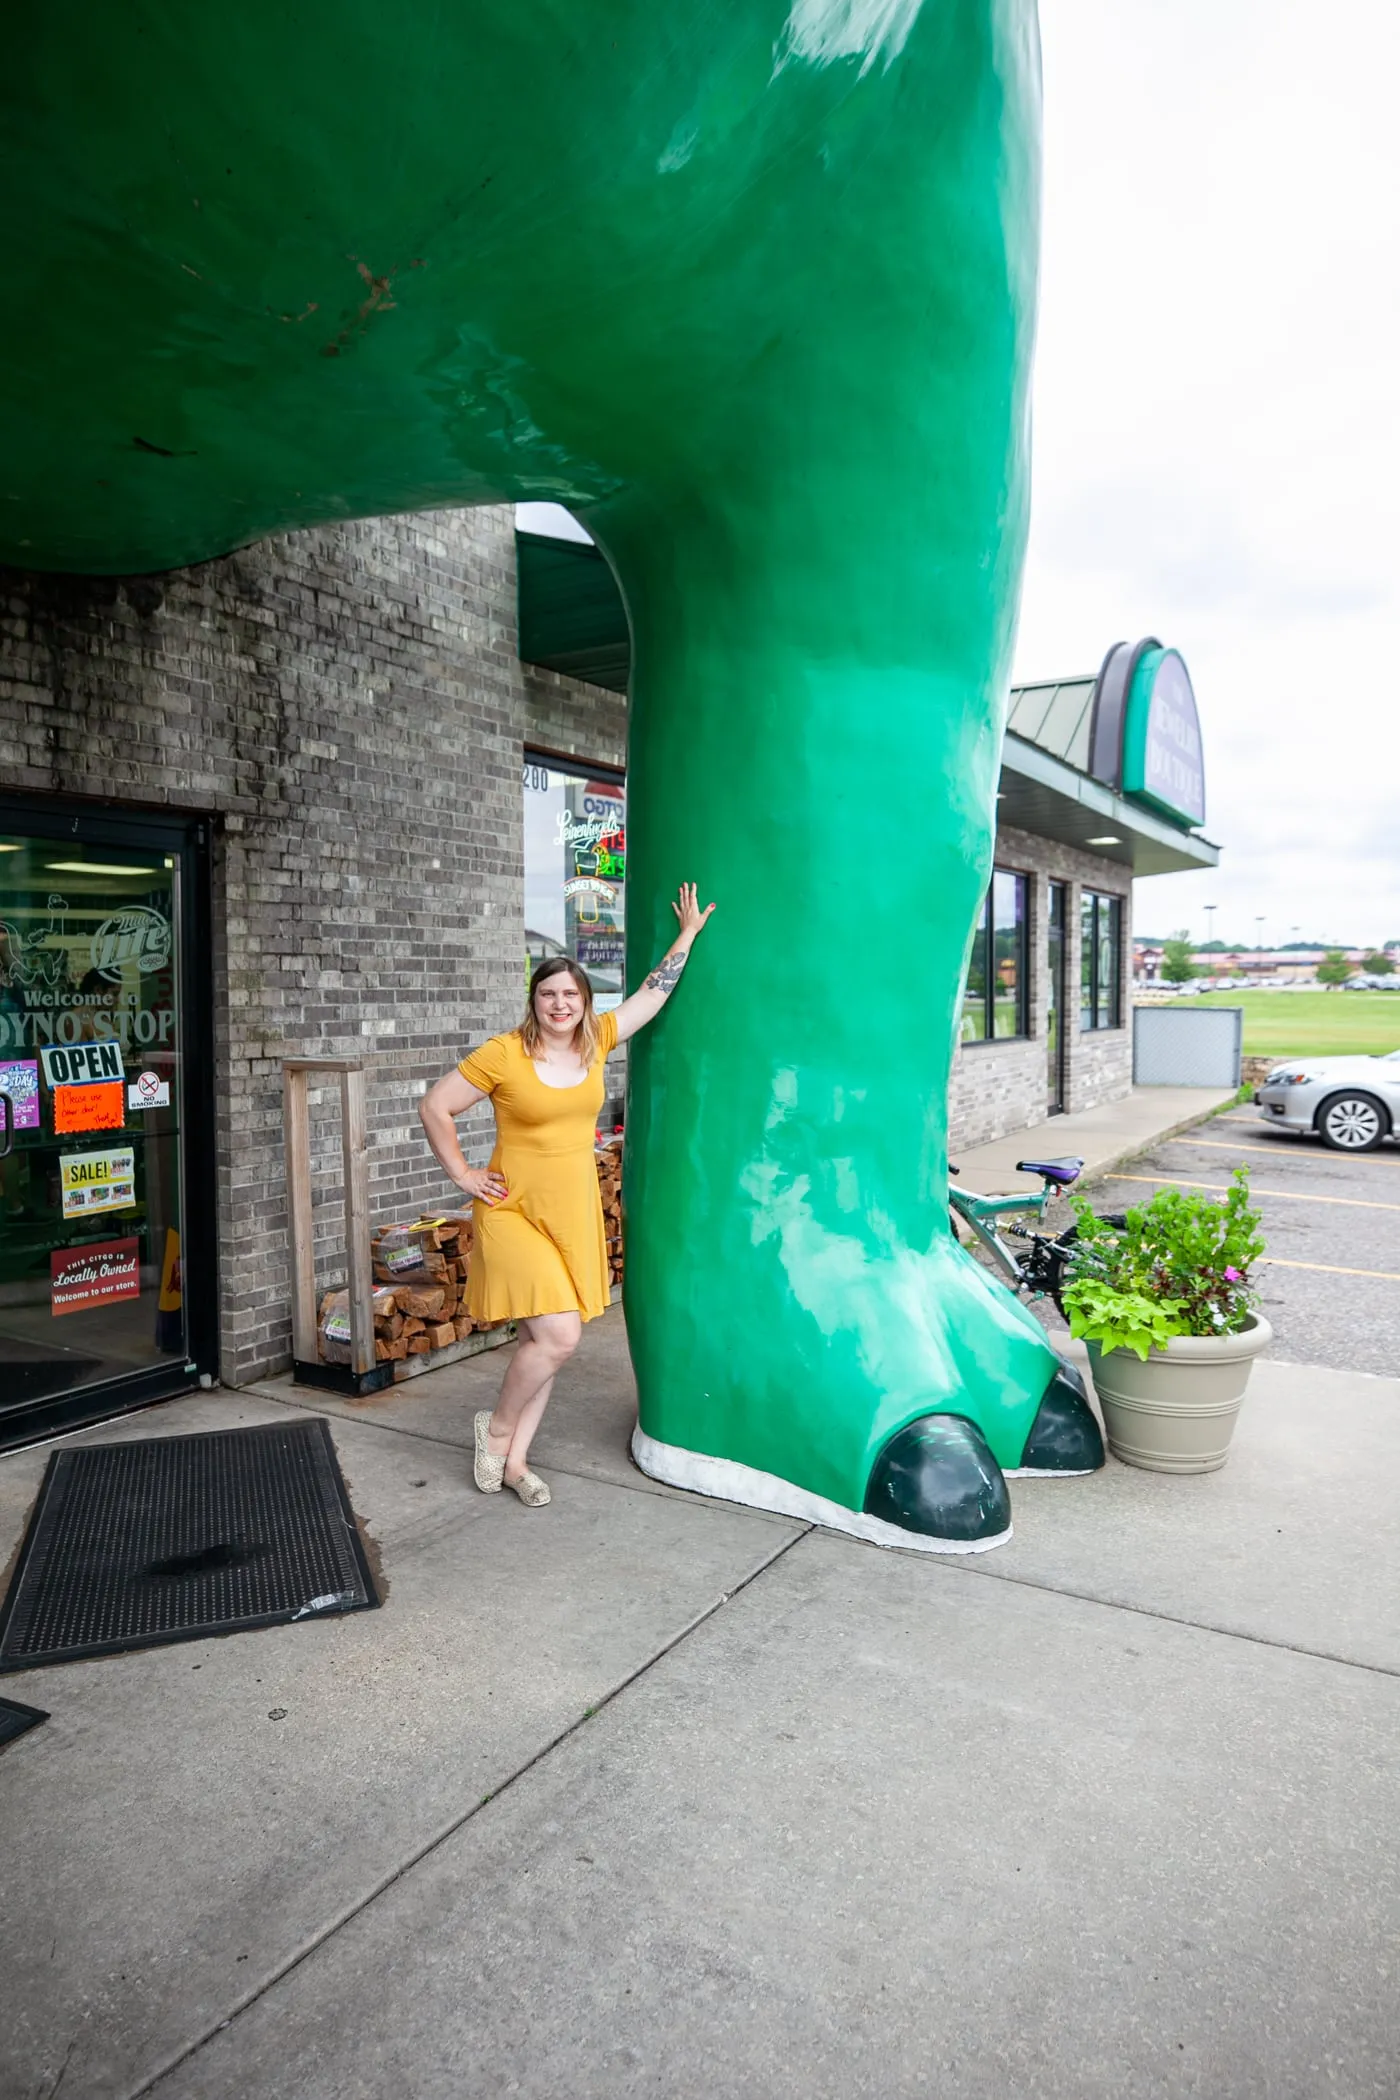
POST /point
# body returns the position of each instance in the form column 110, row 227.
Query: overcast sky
column 1217, row 451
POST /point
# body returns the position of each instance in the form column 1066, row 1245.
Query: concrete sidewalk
column 644, row 1795
column 1103, row 1137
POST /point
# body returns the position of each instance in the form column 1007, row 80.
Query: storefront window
column 994, row 1003
column 576, row 871
column 1100, row 960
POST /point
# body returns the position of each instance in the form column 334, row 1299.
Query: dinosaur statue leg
column 798, row 1309
column 823, row 605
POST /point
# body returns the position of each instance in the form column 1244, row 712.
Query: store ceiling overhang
column 572, row 620
column 1040, row 793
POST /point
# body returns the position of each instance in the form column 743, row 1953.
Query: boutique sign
column 1162, row 761
column 1146, row 736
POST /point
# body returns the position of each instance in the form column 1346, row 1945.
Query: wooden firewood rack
column 362, row 1375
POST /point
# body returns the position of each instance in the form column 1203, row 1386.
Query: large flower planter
column 1175, row 1412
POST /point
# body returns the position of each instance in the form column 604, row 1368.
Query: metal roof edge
column 1033, row 763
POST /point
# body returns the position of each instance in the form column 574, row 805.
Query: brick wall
column 1000, row 1087
column 348, row 705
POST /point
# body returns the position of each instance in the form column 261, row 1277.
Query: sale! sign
column 98, row 1181
column 81, row 1277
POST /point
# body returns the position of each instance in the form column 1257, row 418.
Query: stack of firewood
column 610, row 1189
column 424, row 1266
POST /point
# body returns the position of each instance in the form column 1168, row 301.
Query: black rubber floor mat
column 174, row 1538
column 15, row 1719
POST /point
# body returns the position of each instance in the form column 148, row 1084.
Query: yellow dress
column 542, row 1249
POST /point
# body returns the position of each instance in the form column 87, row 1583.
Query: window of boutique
column 995, row 1002
column 1100, row 961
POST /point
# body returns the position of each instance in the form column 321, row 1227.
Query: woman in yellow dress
column 538, row 1253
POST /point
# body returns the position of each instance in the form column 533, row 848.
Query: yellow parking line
column 1288, row 1195
column 1326, row 1268
column 1274, row 1151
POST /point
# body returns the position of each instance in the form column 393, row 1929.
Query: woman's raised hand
column 687, row 910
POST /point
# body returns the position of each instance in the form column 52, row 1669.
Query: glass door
column 1055, row 998
column 102, row 1104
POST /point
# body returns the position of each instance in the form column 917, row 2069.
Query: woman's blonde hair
column 585, row 1035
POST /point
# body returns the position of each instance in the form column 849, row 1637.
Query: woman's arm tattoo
column 666, row 976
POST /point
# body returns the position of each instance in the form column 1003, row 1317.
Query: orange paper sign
column 88, row 1107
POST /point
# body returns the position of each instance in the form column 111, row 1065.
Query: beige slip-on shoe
column 488, row 1471
column 533, row 1491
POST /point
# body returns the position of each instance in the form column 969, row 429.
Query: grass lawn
column 1297, row 1024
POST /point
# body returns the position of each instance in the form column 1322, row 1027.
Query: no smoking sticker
column 149, row 1091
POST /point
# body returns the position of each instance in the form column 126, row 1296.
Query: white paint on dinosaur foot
column 728, row 1481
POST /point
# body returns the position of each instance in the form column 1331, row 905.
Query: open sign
column 81, row 1064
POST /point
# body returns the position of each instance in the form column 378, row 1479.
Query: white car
column 1353, row 1103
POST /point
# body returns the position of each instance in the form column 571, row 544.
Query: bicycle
column 1041, row 1272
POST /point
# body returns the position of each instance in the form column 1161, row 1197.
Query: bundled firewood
column 609, row 1159
column 419, row 1301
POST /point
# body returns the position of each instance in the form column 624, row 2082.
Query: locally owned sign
column 97, row 1181
column 81, row 1277
column 82, row 1064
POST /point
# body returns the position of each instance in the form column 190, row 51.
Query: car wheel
column 1351, row 1123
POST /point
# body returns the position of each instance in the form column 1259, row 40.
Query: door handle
column 8, row 1145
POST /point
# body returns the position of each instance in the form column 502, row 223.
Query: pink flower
column 1233, row 1276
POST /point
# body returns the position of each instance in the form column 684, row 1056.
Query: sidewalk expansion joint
column 353, row 1910
column 1172, row 1618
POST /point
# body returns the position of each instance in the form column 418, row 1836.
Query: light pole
column 1259, row 937
column 1209, row 910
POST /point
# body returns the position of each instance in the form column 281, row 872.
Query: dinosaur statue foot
column 1065, row 1440
column 935, row 1488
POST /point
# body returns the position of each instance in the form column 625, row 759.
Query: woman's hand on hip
column 485, row 1185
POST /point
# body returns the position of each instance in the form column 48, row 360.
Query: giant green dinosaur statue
column 749, row 284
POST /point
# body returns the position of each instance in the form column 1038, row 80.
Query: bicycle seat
column 1060, row 1171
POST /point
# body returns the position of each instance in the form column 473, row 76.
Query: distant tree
column 1334, row 968
column 1178, row 966
column 1378, row 963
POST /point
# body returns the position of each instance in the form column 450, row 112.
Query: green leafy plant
column 1334, row 968
column 1177, row 1265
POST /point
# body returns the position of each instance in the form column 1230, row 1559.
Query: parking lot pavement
column 1331, row 1289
